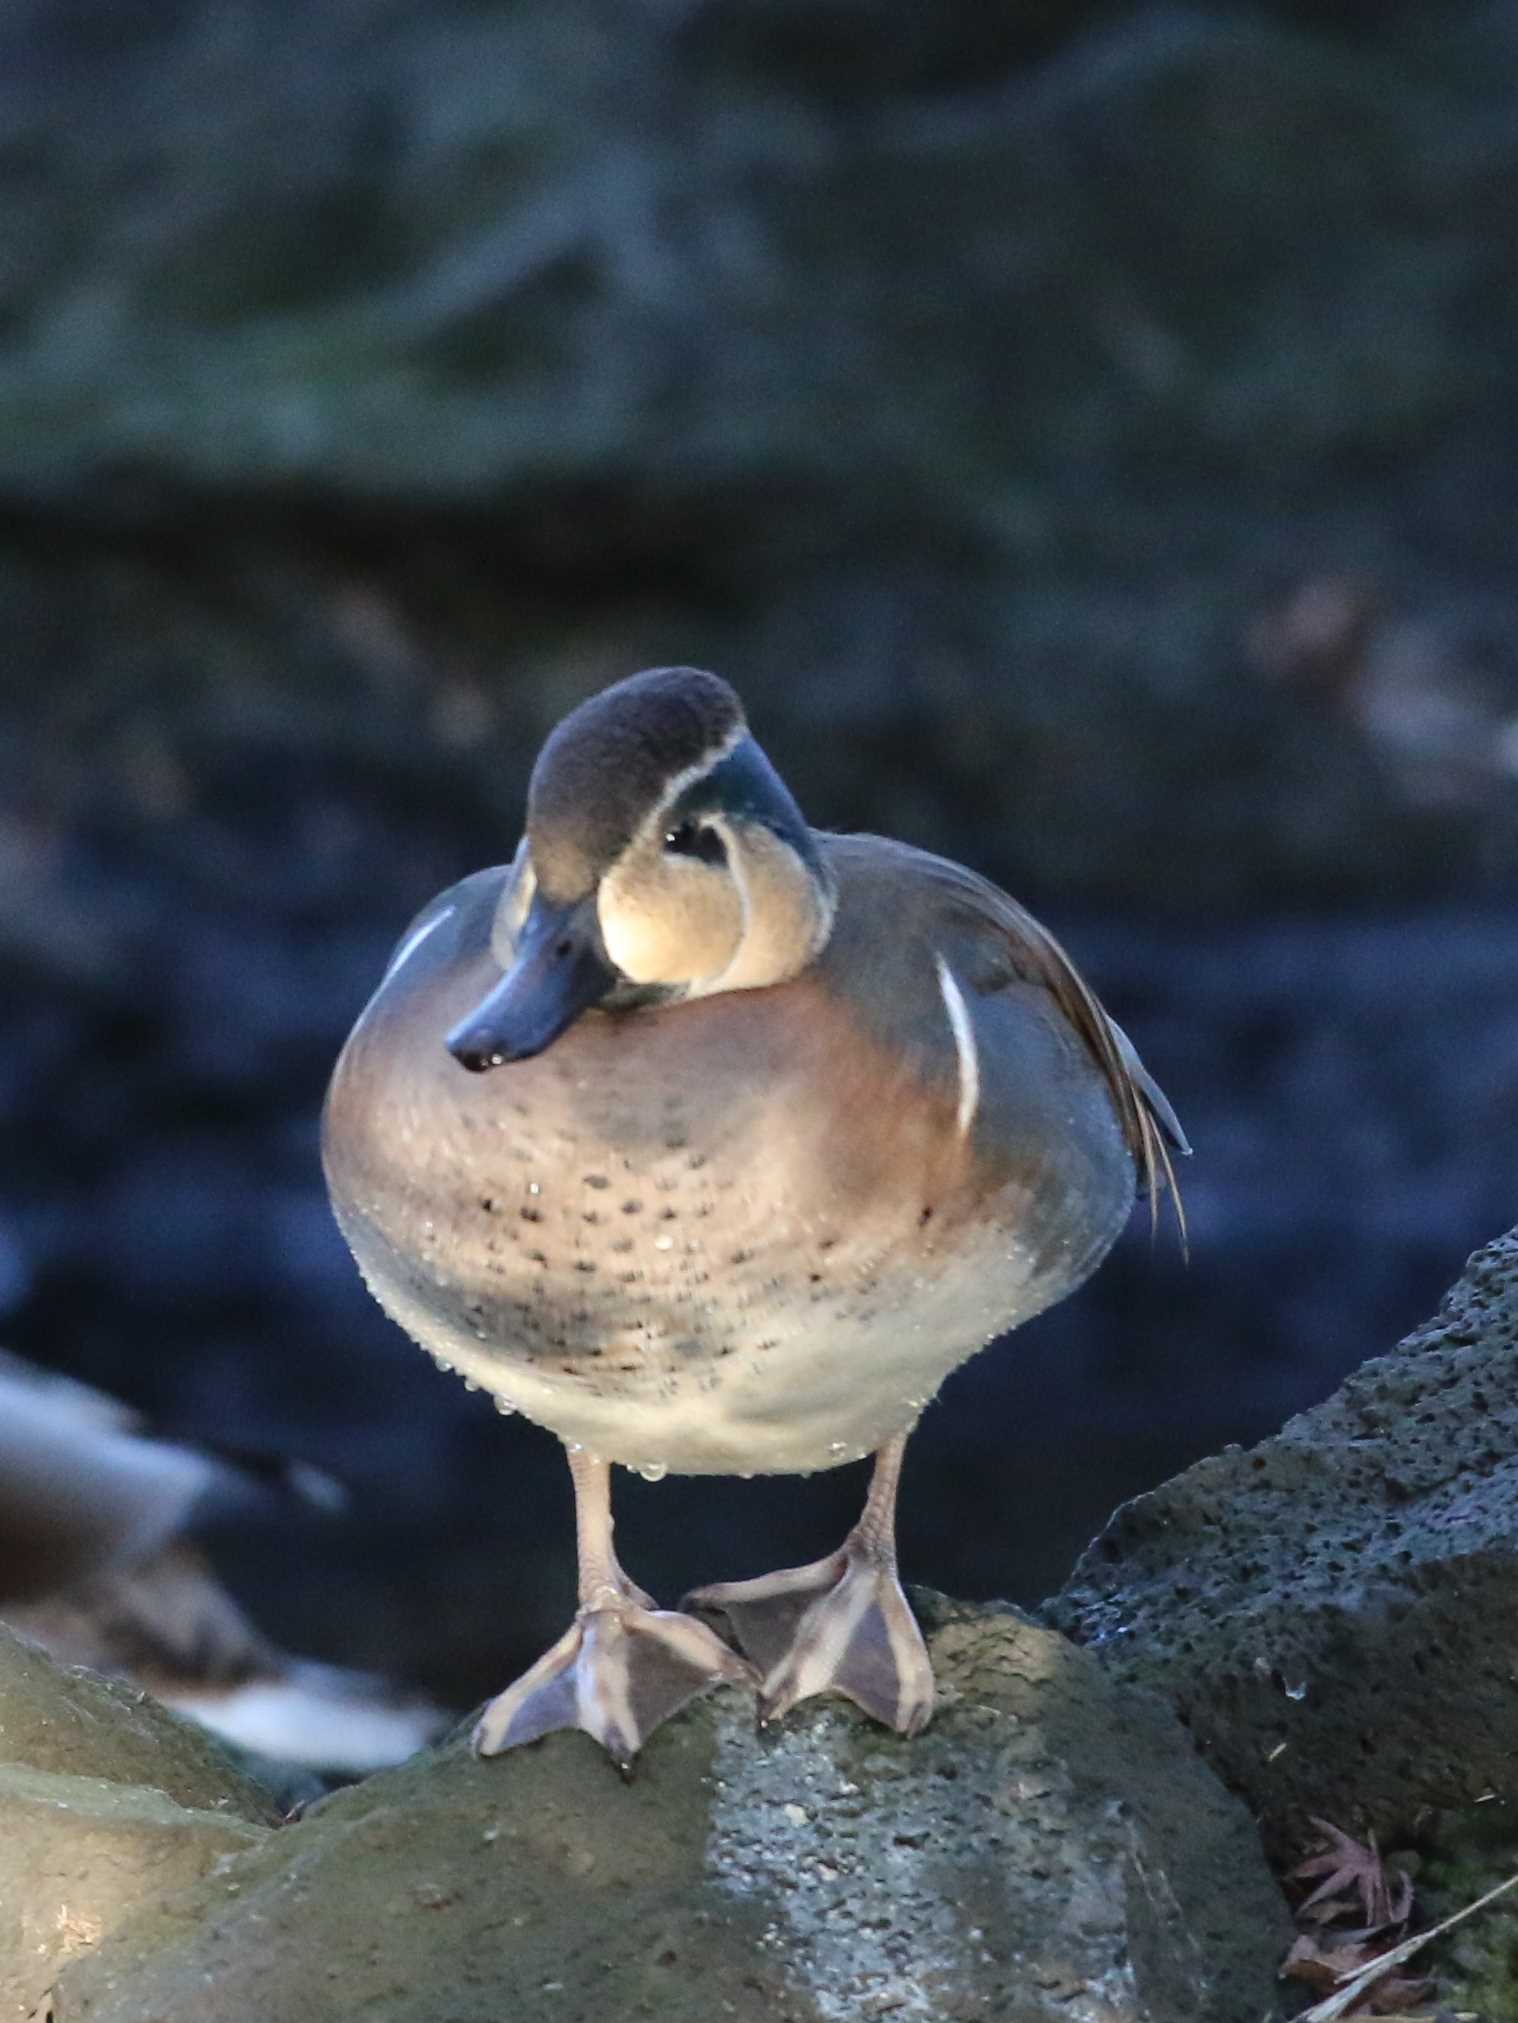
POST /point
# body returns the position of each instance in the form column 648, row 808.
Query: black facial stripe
column 746, row 787
column 695, row 838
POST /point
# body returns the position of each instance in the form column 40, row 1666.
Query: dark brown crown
column 612, row 761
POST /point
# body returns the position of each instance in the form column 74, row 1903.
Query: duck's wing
column 1009, row 942
column 1150, row 1125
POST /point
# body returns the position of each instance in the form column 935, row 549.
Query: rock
column 84, row 1858
column 1049, row 1850
column 1330, row 1611
column 110, row 1806
column 75, row 1723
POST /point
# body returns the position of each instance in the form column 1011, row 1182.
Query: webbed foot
column 621, row 1669
column 841, row 1625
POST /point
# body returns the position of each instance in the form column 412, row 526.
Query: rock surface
column 1049, row 1850
column 109, row 1806
column 1331, row 1612
column 75, row 1723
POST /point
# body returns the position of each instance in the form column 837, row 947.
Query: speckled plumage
column 737, row 1235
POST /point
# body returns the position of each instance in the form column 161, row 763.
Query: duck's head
column 663, row 859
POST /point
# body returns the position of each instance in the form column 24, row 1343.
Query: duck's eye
column 696, row 839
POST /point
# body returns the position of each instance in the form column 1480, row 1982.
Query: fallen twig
column 1338, row 2004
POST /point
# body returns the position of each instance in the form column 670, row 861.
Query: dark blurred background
column 1086, row 433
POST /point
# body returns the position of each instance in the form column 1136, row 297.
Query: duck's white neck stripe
column 964, row 1044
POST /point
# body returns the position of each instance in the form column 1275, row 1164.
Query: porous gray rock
column 110, row 1805
column 1050, row 1849
column 1331, row 1611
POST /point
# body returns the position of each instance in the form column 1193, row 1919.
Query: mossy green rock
column 63, row 1719
column 1465, row 1854
column 110, row 1807
column 1050, row 1849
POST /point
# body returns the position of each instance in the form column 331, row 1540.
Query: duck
column 713, row 1143
column 104, row 1563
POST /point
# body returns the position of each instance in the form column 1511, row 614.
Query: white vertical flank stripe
column 964, row 1044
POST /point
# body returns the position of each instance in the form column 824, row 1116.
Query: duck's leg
column 623, row 1666
column 841, row 1625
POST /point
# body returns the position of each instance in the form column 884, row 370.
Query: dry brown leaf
column 1348, row 1864
column 1354, row 1879
column 1322, row 1966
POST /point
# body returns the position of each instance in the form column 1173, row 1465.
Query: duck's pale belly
column 630, row 1284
